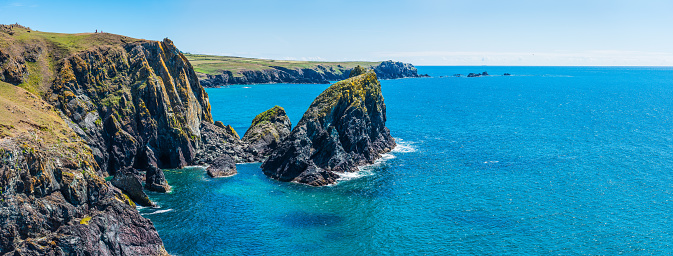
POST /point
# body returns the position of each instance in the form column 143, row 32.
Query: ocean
column 550, row 160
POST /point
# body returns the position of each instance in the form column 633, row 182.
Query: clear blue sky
column 422, row 32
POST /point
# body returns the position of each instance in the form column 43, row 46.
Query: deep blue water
column 551, row 160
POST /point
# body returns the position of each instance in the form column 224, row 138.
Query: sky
column 422, row 32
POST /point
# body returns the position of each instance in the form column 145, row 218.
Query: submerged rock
column 343, row 128
column 267, row 130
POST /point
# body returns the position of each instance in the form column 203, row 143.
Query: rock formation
column 223, row 166
column 267, row 130
column 52, row 200
column 343, row 128
column 100, row 104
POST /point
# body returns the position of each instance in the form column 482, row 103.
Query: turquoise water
column 552, row 160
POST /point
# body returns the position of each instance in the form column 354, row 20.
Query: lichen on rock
column 343, row 128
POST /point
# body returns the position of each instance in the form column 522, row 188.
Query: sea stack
column 343, row 128
column 267, row 130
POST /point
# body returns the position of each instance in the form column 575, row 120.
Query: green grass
column 215, row 65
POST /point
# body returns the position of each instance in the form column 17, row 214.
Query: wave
column 159, row 211
column 403, row 146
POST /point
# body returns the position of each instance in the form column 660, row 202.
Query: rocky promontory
column 343, row 128
column 78, row 108
column 216, row 71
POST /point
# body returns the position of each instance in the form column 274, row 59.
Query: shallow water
column 551, row 160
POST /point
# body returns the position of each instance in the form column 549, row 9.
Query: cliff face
column 137, row 98
column 52, row 200
column 108, row 105
column 318, row 75
column 343, row 128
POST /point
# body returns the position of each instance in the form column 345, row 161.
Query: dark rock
column 343, row 128
column 145, row 93
column 507, row 74
column 219, row 124
column 223, row 166
column 217, row 141
column 457, row 75
column 484, row 73
column 267, row 130
column 473, row 75
column 129, row 182
column 54, row 203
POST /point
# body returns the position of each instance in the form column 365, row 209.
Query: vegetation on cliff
column 53, row 202
column 81, row 107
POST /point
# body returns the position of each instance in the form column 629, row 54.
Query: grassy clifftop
column 21, row 53
column 215, row 65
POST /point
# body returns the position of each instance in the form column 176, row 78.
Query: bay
column 550, row 160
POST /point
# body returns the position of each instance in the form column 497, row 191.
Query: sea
column 547, row 161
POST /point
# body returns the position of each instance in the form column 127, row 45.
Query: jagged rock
column 267, row 130
column 343, row 128
column 473, row 75
column 154, row 177
column 223, row 166
column 130, row 183
column 151, row 98
column 52, row 200
column 484, row 73
column 217, row 141
column 507, row 74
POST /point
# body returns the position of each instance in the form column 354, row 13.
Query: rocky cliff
column 314, row 74
column 343, row 128
column 106, row 105
column 52, row 198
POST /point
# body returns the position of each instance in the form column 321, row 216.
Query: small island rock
column 343, row 128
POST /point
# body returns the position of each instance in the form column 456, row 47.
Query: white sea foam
column 403, row 146
column 159, row 211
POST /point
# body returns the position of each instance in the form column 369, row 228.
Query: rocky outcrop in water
column 319, row 75
column 343, row 128
column 267, row 130
column 222, row 166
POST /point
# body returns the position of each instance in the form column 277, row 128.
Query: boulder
column 223, row 166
